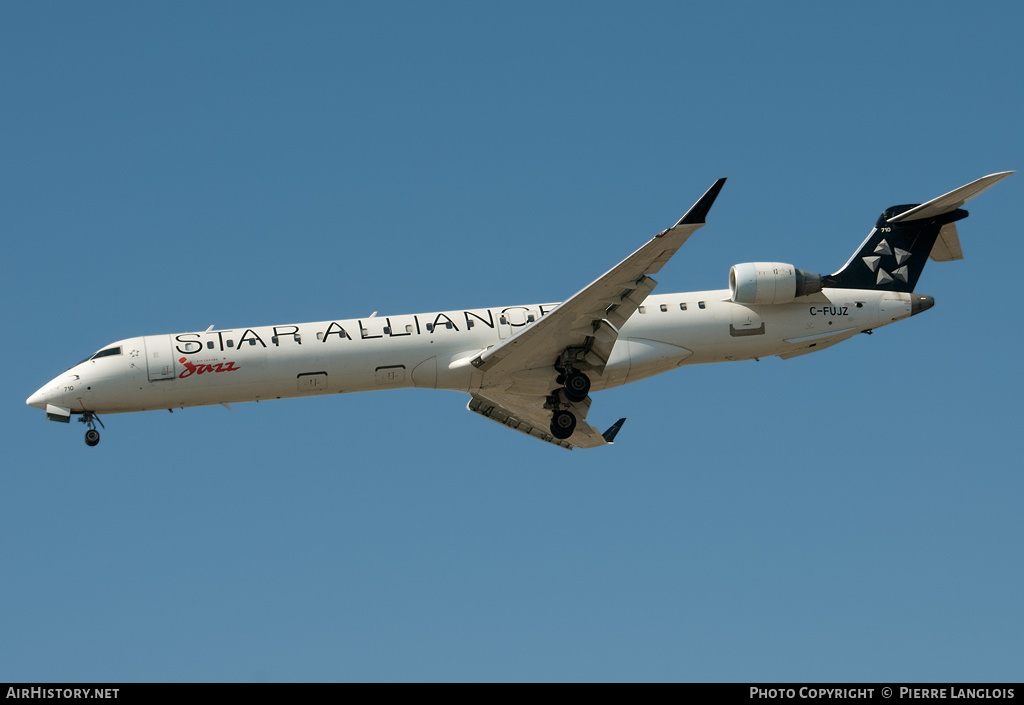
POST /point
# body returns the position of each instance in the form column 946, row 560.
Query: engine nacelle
column 770, row 283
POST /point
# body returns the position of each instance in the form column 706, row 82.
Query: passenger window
column 664, row 307
column 231, row 343
column 209, row 344
column 642, row 309
column 430, row 327
column 682, row 307
column 700, row 304
column 252, row 341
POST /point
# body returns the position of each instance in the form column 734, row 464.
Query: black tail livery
column 894, row 254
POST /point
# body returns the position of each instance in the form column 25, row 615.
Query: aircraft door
column 159, row 357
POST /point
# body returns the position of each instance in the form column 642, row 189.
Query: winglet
column 609, row 435
column 699, row 211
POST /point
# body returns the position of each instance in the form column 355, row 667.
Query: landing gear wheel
column 577, row 386
column 92, row 436
column 563, row 423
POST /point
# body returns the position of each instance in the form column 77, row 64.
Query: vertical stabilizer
column 893, row 256
column 897, row 248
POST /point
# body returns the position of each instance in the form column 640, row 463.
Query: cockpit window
column 107, row 353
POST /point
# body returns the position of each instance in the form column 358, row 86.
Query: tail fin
column 895, row 251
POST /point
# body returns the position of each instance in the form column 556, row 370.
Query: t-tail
column 895, row 251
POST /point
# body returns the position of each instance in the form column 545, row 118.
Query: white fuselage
column 434, row 350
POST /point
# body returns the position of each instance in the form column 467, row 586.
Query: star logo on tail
column 887, row 273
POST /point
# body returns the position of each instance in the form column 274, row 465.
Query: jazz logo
column 191, row 369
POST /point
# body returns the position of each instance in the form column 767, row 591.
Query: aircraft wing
column 526, row 414
column 514, row 385
column 591, row 318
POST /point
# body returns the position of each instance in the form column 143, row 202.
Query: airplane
column 533, row 367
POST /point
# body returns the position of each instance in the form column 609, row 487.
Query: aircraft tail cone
column 920, row 303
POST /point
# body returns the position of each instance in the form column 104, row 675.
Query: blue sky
column 852, row 515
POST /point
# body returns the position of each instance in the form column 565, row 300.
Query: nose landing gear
column 92, row 436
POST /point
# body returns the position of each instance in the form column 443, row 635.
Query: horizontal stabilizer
column 950, row 201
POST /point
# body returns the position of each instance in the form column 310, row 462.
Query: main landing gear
column 575, row 388
column 576, row 385
column 563, row 423
column 92, row 436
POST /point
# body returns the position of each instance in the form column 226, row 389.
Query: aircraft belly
column 424, row 375
column 616, row 370
column 651, row 357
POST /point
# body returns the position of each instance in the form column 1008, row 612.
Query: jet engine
column 770, row 283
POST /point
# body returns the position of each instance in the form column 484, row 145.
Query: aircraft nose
column 49, row 393
column 38, row 400
column 920, row 303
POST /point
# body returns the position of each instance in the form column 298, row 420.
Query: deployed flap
column 950, row 201
column 591, row 318
column 526, row 415
column 947, row 245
